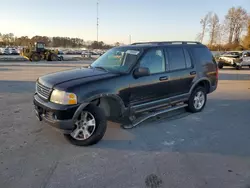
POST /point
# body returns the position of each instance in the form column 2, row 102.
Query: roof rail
column 167, row 42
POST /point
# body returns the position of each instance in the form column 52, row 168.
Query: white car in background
column 246, row 59
column 1, row 51
column 7, row 51
column 234, row 59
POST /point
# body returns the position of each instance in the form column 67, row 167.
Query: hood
column 58, row 78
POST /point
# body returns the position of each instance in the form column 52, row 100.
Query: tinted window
column 40, row 45
column 188, row 59
column 203, row 55
column 176, row 58
column 154, row 60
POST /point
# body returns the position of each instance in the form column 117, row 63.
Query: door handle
column 163, row 78
column 193, row 73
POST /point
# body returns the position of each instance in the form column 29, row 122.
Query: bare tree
column 241, row 24
column 236, row 21
column 117, row 44
column 246, row 39
column 213, row 25
column 222, row 34
column 204, row 24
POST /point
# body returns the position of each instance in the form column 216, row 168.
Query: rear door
column 181, row 69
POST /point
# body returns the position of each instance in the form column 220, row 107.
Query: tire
column 191, row 102
column 249, row 66
column 53, row 57
column 238, row 67
column 35, row 57
column 220, row 65
column 99, row 131
column 60, row 58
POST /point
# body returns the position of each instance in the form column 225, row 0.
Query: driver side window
column 153, row 59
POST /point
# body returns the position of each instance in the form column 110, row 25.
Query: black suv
column 127, row 84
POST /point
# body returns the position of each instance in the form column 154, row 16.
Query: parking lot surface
column 210, row 149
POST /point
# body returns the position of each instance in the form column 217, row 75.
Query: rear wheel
column 197, row 100
column 90, row 127
column 220, row 65
column 238, row 67
column 35, row 57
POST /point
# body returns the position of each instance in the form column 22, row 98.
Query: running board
column 139, row 120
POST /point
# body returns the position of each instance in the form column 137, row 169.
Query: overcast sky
column 144, row 20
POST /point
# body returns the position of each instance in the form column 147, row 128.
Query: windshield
column 117, row 59
column 232, row 54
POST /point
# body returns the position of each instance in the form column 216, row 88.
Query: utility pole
column 97, row 20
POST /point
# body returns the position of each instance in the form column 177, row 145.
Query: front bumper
column 58, row 116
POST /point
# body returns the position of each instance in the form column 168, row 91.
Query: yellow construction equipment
column 38, row 52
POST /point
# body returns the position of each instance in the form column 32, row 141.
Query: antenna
column 97, row 20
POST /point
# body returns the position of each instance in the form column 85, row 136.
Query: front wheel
column 35, row 57
column 90, row 127
column 197, row 100
column 53, row 57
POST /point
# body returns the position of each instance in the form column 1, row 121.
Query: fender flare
column 111, row 95
column 197, row 82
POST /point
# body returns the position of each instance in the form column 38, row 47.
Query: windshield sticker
column 132, row 52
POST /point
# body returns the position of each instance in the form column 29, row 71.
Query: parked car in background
column 86, row 53
column 60, row 55
column 246, row 59
column 7, row 51
column 234, row 59
column 13, row 51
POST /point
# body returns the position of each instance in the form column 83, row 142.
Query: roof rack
column 166, row 42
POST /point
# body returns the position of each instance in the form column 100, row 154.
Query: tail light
column 217, row 69
column 217, row 73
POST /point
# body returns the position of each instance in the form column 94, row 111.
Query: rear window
column 176, row 58
column 202, row 55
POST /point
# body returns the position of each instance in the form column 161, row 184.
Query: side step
column 139, row 120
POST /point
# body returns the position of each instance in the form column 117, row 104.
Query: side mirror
column 141, row 71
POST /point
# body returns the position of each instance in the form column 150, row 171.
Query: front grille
column 43, row 91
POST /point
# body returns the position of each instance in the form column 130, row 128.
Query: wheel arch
column 204, row 82
column 112, row 104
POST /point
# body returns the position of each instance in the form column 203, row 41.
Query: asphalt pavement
column 204, row 150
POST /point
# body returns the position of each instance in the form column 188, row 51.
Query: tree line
column 10, row 39
column 231, row 33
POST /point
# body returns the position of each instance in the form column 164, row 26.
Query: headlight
column 62, row 97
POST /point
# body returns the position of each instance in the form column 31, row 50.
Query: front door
column 155, row 86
